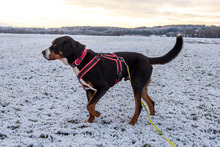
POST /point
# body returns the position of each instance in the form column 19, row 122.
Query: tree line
column 169, row 30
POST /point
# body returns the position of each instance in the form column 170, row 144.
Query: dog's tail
column 171, row 54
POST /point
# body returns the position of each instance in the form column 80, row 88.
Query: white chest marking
column 64, row 61
column 88, row 87
column 76, row 72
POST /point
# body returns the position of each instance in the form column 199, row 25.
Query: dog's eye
column 51, row 48
column 56, row 51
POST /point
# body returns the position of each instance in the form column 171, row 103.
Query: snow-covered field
column 43, row 104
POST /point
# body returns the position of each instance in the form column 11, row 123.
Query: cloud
column 148, row 8
column 123, row 13
column 155, row 12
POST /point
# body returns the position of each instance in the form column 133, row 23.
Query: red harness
column 118, row 60
column 95, row 60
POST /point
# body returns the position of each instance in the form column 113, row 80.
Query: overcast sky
column 120, row 13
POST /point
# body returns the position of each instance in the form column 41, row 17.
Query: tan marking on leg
column 91, row 108
column 90, row 96
column 135, row 116
column 91, row 118
column 148, row 100
column 92, row 111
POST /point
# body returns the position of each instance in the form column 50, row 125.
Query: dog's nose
column 43, row 52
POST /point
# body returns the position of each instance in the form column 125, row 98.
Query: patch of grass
column 43, row 136
column 45, row 93
column 73, row 121
column 2, row 136
column 210, row 74
column 33, row 120
column 88, row 133
column 169, row 129
column 195, row 126
column 123, row 129
column 104, row 122
column 146, row 145
column 116, row 128
column 4, row 104
column 63, row 133
column 31, row 131
column 83, row 126
column 13, row 127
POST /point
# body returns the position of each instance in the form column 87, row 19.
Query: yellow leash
column 156, row 127
column 148, row 113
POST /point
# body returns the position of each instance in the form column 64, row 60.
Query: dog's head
column 63, row 47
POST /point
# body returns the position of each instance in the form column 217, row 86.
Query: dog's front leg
column 93, row 101
column 90, row 94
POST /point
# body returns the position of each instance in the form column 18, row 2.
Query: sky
column 117, row 13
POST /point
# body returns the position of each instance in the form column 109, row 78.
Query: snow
column 43, row 104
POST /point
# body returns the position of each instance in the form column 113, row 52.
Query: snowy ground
column 42, row 103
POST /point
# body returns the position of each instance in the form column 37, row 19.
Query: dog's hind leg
column 138, row 107
column 147, row 99
column 139, row 78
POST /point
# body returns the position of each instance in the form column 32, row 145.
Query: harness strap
column 118, row 61
column 96, row 59
column 88, row 66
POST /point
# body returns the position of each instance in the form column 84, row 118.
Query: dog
column 97, row 72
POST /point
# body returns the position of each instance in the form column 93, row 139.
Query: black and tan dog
column 98, row 72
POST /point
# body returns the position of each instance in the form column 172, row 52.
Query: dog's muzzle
column 46, row 53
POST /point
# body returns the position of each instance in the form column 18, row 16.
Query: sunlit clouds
column 124, row 13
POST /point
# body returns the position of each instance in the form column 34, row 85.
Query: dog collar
column 79, row 60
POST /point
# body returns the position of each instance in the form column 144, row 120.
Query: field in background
column 43, row 104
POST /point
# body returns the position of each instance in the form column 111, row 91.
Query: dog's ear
column 69, row 48
column 80, row 47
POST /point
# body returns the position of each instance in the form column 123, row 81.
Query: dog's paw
column 132, row 122
column 97, row 114
column 91, row 119
column 152, row 112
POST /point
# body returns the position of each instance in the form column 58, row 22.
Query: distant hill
column 168, row 30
